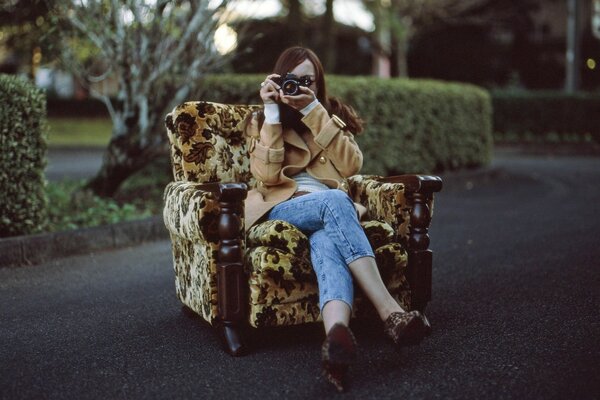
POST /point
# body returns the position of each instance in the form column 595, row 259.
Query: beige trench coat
column 327, row 152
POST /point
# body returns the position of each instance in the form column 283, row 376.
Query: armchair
column 263, row 277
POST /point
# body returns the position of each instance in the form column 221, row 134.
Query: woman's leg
column 333, row 213
column 336, row 294
column 336, row 290
column 367, row 275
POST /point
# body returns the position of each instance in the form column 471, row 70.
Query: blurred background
column 493, row 43
column 109, row 71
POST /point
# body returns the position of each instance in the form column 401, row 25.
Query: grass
column 79, row 132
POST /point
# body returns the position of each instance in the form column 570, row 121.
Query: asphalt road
column 515, row 313
column 73, row 163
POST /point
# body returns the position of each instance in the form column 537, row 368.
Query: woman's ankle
column 387, row 310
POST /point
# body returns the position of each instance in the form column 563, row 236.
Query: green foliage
column 144, row 189
column 546, row 116
column 22, row 157
column 72, row 208
column 412, row 126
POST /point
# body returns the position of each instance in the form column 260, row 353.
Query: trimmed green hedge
column 22, row 157
column 546, row 116
column 412, row 126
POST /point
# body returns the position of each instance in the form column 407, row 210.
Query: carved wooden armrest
column 419, row 190
column 192, row 210
column 416, row 183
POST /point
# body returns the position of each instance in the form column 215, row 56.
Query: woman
column 301, row 155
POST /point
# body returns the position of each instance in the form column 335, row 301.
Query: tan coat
column 327, row 152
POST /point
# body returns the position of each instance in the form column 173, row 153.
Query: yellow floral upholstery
column 208, row 145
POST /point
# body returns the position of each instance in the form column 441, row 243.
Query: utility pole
column 573, row 45
column 596, row 19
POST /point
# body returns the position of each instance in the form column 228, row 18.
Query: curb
column 36, row 249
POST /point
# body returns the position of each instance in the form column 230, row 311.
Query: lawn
column 87, row 132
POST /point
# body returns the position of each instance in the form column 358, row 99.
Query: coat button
column 322, row 160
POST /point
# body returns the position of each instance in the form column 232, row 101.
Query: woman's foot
column 406, row 328
column 337, row 353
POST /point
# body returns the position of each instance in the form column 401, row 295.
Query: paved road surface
column 515, row 311
column 73, row 163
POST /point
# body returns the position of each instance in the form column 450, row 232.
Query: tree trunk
column 122, row 158
column 294, row 21
column 381, row 51
column 328, row 38
column 573, row 52
column 400, row 56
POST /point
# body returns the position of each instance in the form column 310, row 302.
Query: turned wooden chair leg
column 232, row 282
column 420, row 258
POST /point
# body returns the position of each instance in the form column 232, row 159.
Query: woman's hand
column 269, row 90
column 298, row 101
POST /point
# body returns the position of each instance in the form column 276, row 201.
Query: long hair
column 292, row 57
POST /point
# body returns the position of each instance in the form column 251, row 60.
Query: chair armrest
column 391, row 199
column 426, row 184
column 195, row 211
column 405, row 202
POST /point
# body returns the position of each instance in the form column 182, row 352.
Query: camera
column 290, row 84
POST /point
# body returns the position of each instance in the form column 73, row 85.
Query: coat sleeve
column 337, row 143
column 266, row 152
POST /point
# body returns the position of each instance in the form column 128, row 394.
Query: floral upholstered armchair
column 263, row 277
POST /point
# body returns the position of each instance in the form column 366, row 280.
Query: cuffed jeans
column 329, row 219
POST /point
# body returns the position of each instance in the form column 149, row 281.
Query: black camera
column 290, row 84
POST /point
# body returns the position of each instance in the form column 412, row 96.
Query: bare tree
column 157, row 51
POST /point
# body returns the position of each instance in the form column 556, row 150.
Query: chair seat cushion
column 286, row 237
column 277, row 264
column 283, row 285
column 279, row 235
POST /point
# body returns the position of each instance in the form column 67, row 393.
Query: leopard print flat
column 406, row 328
column 338, row 353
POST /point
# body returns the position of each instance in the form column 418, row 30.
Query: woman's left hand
column 298, row 101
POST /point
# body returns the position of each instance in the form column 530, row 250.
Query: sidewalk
column 77, row 163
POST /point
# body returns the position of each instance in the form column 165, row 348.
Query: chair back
column 208, row 143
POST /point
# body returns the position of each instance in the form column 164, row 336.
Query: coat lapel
column 290, row 136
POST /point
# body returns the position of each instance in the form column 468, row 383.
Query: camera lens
column 290, row 87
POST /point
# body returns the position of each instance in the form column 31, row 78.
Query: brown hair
column 292, row 57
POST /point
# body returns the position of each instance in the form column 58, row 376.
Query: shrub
column 73, row 207
column 412, row 126
column 546, row 116
column 23, row 133
column 419, row 126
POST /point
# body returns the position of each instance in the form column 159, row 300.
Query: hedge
column 412, row 126
column 23, row 145
column 546, row 116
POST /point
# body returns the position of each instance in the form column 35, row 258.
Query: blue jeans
column 329, row 219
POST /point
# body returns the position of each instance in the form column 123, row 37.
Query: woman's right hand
column 269, row 90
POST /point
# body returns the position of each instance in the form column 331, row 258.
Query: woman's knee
column 338, row 198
